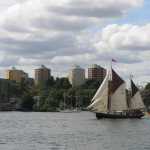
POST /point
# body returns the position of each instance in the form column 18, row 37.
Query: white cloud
column 130, row 45
column 125, row 37
column 60, row 33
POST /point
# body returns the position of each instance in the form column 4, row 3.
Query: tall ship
column 111, row 100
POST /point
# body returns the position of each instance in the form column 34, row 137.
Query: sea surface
column 71, row 131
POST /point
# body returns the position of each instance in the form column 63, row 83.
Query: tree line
column 54, row 94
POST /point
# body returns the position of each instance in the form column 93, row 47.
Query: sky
column 62, row 33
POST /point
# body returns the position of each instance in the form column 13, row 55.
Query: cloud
column 63, row 14
column 125, row 37
column 61, row 33
column 129, row 45
column 96, row 8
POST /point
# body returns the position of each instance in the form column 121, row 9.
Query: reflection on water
column 71, row 131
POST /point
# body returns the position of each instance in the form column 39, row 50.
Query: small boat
column 110, row 100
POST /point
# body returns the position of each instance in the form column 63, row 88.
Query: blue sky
column 138, row 15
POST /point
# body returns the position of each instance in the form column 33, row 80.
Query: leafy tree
column 27, row 102
column 24, row 87
column 147, row 87
column 62, row 83
column 52, row 101
column 51, row 82
column 91, row 84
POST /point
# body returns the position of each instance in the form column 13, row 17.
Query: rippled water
column 71, row 131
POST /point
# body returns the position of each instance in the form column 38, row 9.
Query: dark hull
column 120, row 115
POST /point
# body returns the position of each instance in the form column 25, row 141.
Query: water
column 71, row 131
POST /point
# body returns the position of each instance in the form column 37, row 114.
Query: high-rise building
column 16, row 75
column 76, row 76
column 96, row 72
column 42, row 74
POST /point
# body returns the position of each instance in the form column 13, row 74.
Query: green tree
column 62, row 83
column 27, row 102
column 51, row 82
column 91, row 84
column 52, row 101
column 147, row 87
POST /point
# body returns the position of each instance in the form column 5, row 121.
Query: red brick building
column 96, row 72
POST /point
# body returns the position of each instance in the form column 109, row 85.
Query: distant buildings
column 76, row 76
column 96, row 72
column 16, row 75
column 42, row 74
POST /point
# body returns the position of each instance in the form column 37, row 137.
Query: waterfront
column 71, row 131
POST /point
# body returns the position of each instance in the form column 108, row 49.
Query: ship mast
column 110, row 86
column 109, row 89
column 117, row 93
column 130, row 93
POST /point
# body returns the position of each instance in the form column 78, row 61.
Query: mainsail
column 136, row 101
column 111, row 95
column 100, row 100
column 117, row 94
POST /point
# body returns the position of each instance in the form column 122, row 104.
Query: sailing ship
column 110, row 100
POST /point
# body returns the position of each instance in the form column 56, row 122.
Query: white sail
column 136, row 101
column 100, row 100
column 101, row 88
column 119, row 99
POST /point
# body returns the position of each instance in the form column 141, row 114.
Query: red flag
column 113, row 60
